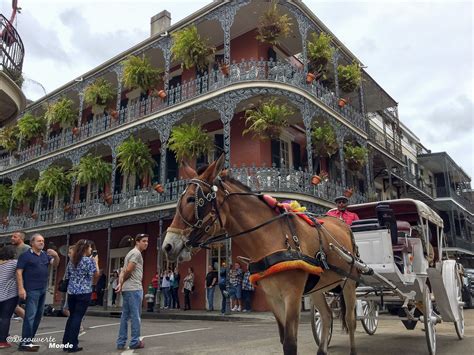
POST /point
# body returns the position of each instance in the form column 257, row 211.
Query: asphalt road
column 250, row 337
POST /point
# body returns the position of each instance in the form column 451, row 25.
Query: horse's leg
column 350, row 318
column 276, row 305
column 319, row 301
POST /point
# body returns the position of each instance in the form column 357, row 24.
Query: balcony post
column 119, row 71
column 307, row 120
column 165, row 46
column 368, row 169
column 81, row 107
column 304, row 24
column 341, row 159
column 163, row 152
column 114, row 170
column 226, row 117
column 335, row 59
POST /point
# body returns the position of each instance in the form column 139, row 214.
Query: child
column 150, row 298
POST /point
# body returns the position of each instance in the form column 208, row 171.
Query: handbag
column 63, row 284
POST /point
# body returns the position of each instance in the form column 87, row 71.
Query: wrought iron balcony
column 214, row 81
column 257, row 178
column 384, row 143
column 456, row 195
column 12, row 50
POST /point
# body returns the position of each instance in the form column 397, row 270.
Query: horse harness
column 292, row 253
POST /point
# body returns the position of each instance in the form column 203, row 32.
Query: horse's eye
column 191, row 200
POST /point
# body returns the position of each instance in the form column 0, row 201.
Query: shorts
column 236, row 292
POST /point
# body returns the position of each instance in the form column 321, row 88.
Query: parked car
column 468, row 288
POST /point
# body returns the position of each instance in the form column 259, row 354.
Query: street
column 250, row 337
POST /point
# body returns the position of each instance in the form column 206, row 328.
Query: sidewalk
column 98, row 311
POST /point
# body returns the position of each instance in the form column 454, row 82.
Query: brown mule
column 212, row 203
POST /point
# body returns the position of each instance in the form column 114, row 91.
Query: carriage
column 402, row 264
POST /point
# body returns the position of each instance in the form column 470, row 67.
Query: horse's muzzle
column 174, row 249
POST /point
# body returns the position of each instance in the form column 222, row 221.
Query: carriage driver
column 341, row 211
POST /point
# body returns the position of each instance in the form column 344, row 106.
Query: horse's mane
column 233, row 181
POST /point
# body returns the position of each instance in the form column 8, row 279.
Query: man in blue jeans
column 32, row 278
column 130, row 284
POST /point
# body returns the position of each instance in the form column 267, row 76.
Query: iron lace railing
column 12, row 50
column 215, row 80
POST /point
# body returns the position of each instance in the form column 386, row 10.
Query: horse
column 213, row 202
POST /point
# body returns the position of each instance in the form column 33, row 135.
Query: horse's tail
column 343, row 313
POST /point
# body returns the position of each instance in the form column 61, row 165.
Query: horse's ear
column 215, row 169
column 188, row 172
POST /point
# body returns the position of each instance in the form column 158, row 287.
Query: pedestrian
column 222, row 287
column 18, row 241
column 130, row 284
column 32, row 278
column 80, row 271
column 113, row 285
column 188, row 288
column 8, row 293
column 235, row 278
column 247, row 292
column 165, row 287
column 175, row 289
column 100, row 287
column 150, row 298
column 211, row 282
column 64, row 306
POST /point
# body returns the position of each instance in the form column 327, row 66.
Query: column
column 307, row 120
column 335, row 58
column 109, row 237
column 163, row 152
column 81, row 107
column 119, row 71
column 114, row 170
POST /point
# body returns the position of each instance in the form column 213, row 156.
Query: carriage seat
column 362, row 225
column 404, row 231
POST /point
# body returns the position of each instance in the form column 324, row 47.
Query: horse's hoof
column 320, row 352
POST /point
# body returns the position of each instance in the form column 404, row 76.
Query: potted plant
column 114, row 114
column 268, row 119
column 321, row 177
column 139, row 76
column 273, row 26
column 23, row 192
column 190, row 49
column 324, row 139
column 5, row 198
column 355, row 156
column 62, row 113
column 54, row 182
column 189, row 140
column 134, row 159
column 320, row 53
column 159, row 188
column 98, row 94
column 350, row 78
column 31, row 127
column 348, row 192
column 8, row 138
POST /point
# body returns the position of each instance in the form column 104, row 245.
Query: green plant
column 273, row 26
column 92, row 170
column 355, row 156
column 5, row 197
column 139, row 74
column 99, row 92
column 30, row 126
column 268, row 119
column 320, row 51
column 54, row 182
column 134, row 158
column 349, row 76
column 190, row 49
column 8, row 138
column 23, row 191
column 61, row 112
column 189, row 140
column 324, row 139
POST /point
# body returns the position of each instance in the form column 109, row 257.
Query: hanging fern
column 138, row 73
column 99, row 92
column 92, row 170
column 320, row 51
column 189, row 140
column 5, row 197
column 267, row 120
column 23, row 191
column 54, row 182
column 134, row 157
column 30, row 126
column 324, row 139
column 355, row 156
column 349, row 76
column 273, row 26
column 8, row 138
column 61, row 112
column 190, row 49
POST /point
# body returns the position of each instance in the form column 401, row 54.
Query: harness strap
column 278, row 257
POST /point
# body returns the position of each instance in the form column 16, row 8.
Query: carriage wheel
column 370, row 320
column 459, row 325
column 317, row 326
column 429, row 320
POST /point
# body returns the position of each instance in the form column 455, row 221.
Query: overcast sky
column 420, row 52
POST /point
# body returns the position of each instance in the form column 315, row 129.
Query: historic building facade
column 218, row 101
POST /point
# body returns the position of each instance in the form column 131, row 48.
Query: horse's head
column 198, row 212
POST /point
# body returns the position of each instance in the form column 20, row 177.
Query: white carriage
column 402, row 263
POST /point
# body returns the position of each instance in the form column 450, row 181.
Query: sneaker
column 18, row 319
column 5, row 345
column 29, row 348
column 238, row 309
column 139, row 345
column 234, row 309
column 120, row 347
column 244, row 310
